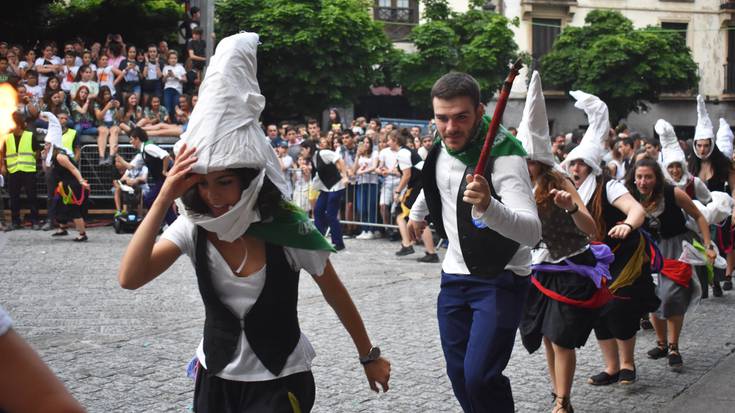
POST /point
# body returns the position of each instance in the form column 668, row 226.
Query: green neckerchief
column 505, row 144
column 290, row 227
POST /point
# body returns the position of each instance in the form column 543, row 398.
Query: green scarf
column 290, row 227
column 505, row 144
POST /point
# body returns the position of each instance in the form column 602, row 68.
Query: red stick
column 497, row 116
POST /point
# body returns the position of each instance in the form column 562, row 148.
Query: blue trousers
column 170, row 100
column 478, row 318
column 151, row 196
column 367, row 205
column 326, row 213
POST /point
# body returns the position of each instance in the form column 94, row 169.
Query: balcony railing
column 396, row 15
column 729, row 79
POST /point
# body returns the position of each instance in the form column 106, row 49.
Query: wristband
column 630, row 226
column 573, row 211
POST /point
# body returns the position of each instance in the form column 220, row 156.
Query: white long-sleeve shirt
column 515, row 217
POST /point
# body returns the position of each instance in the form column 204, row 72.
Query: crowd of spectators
column 107, row 88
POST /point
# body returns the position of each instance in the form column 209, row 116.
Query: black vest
column 671, row 222
column 415, row 180
column 327, row 172
column 485, row 252
column 154, row 165
column 271, row 326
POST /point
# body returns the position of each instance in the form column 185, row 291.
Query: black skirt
column 620, row 318
column 565, row 325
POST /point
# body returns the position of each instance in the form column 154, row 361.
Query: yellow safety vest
column 67, row 140
column 21, row 159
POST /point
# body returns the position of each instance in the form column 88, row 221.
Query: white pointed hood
column 671, row 151
column 533, row 131
column 224, row 129
column 591, row 148
column 704, row 129
column 724, row 138
column 53, row 135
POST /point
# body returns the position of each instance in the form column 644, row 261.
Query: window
column 398, row 11
column 730, row 65
column 679, row 28
column 544, row 34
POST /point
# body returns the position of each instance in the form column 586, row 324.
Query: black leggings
column 215, row 394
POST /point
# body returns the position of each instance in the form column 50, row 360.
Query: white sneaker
column 361, row 236
column 369, row 235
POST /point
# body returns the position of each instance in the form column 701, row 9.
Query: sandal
column 676, row 363
column 627, row 376
column 60, row 233
column 660, row 351
column 603, row 379
column 81, row 238
column 563, row 404
column 727, row 284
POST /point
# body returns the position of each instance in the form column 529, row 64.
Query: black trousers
column 291, row 394
column 26, row 181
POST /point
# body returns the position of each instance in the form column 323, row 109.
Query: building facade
column 708, row 27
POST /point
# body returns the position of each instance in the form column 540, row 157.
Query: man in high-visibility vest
column 18, row 161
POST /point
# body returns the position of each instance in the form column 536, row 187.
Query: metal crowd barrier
column 360, row 205
column 99, row 176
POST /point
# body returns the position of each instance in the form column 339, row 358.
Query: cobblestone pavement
column 126, row 351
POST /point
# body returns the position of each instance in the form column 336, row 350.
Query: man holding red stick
column 490, row 231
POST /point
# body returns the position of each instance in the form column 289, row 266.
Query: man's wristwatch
column 371, row 356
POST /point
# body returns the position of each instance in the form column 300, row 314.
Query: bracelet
column 630, row 226
column 573, row 211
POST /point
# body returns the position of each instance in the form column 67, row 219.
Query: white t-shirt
column 239, row 294
column 388, row 158
column 366, row 162
column 403, row 158
column 174, row 83
column 68, row 74
column 5, row 321
column 150, row 71
column 328, row 157
column 106, row 77
column 43, row 78
column 36, row 92
column 150, row 149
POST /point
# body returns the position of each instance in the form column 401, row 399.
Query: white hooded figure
column 704, row 129
column 673, row 155
column 533, row 131
column 591, row 148
column 725, row 138
column 224, row 129
column 53, row 137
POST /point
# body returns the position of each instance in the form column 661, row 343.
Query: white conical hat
column 533, row 131
column 724, row 138
column 704, row 129
column 224, row 129
column 224, row 123
column 670, row 149
column 591, row 148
